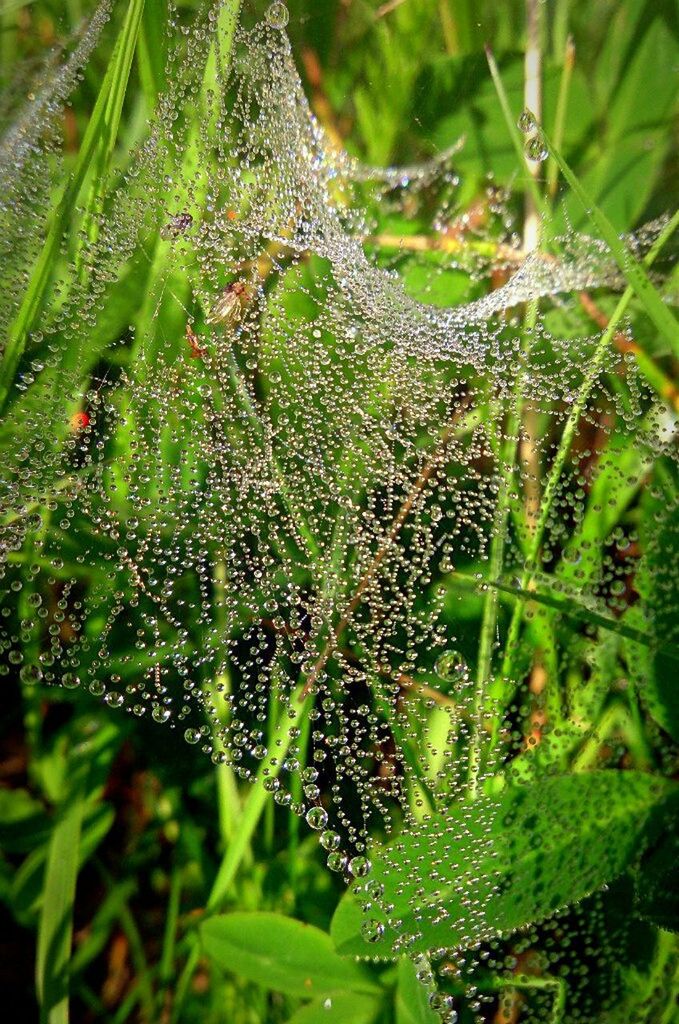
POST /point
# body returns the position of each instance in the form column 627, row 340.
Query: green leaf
column 619, row 475
column 656, row 891
column 338, row 1009
column 631, row 142
column 23, row 821
column 412, row 998
column 280, row 953
column 491, row 866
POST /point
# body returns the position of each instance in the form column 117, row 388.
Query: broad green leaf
column 280, row 953
column 632, row 140
column 456, row 97
column 412, row 998
column 338, row 1009
column 618, row 477
column 493, row 865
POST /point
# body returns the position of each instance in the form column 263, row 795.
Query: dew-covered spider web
column 383, row 555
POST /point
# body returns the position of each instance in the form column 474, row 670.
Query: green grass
column 140, row 878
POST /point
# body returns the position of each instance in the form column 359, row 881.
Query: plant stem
column 514, row 133
column 532, row 100
column 507, row 458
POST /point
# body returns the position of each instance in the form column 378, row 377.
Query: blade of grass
column 55, row 927
column 120, row 67
column 98, row 128
column 560, row 115
column 633, row 271
column 254, row 805
column 570, row 608
column 152, row 52
column 168, row 951
column 296, row 794
column 139, row 962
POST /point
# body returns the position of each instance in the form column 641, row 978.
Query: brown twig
column 369, row 574
column 320, row 103
column 409, row 683
column 388, row 7
column 448, row 243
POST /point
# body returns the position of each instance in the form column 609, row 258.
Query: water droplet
column 277, row 15
column 536, row 149
column 30, row 674
column 527, row 121
column 330, row 840
column 316, row 817
column 337, row 861
column 451, row 666
column 192, row 735
column 160, row 713
column 71, row 681
column 372, row 930
column 359, row 866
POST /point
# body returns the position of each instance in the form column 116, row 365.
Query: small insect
column 229, row 306
column 176, row 226
column 196, row 351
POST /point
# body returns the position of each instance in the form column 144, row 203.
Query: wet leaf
column 491, row 866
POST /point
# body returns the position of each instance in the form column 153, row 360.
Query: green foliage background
column 97, row 803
